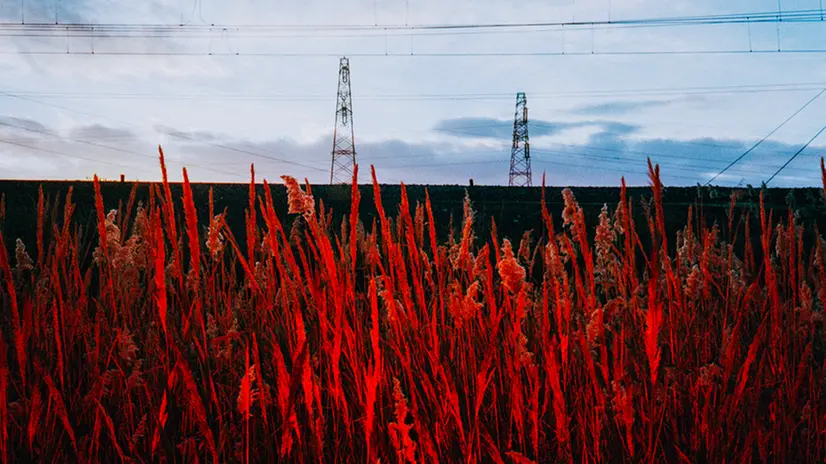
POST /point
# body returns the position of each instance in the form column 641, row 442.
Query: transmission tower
column 344, row 148
column 520, row 172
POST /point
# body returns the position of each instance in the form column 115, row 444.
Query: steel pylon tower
column 344, row 148
column 520, row 172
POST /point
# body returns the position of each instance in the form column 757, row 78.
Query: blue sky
column 594, row 117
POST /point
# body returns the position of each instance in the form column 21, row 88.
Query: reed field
column 154, row 337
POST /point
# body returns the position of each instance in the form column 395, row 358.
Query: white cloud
column 297, row 122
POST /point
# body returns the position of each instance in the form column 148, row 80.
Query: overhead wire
column 171, row 133
column 766, row 137
column 108, row 147
column 615, row 169
column 788, row 16
column 180, row 135
column 699, row 168
column 613, row 159
column 732, row 18
column 651, row 92
column 616, row 150
column 586, row 151
column 209, row 31
column 54, row 152
column 148, row 31
column 573, row 156
column 795, row 155
column 513, row 54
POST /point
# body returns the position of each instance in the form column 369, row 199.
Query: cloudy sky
column 429, row 106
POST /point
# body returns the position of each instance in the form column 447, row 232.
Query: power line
column 667, row 91
column 78, row 31
column 694, row 167
column 246, row 152
column 584, row 152
column 614, row 169
column 767, row 136
column 797, row 153
column 179, row 135
column 465, row 129
column 807, row 15
column 108, row 147
column 689, row 158
column 574, row 156
column 170, row 133
column 54, row 152
column 617, row 150
column 804, row 51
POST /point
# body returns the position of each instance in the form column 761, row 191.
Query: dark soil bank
column 515, row 210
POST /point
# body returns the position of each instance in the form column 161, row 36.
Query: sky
column 429, row 107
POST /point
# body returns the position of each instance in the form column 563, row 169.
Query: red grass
column 351, row 343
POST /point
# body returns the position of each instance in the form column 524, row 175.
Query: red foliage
column 314, row 345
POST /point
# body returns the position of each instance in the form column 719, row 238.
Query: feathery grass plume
column 196, row 405
column 34, row 418
column 247, row 393
column 624, row 407
column 110, row 427
column 374, row 376
column 431, row 226
column 215, row 239
column 17, row 328
column 252, row 238
column 558, row 400
column 140, row 432
column 524, row 252
column 510, row 271
column 23, row 262
column 546, row 216
column 657, row 189
column 57, row 402
column 464, row 305
column 283, row 392
column 400, row 430
column 519, row 458
column 654, row 314
column 163, row 415
column 604, row 240
column 653, row 319
column 57, row 328
column 169, row 207
column 467, row 233
column 244, row 264
column 101, row 216
column 355, row 199
column 191, row 214
column 246, row 397
column 299, row 202
column 160, row 272
column 263, row 397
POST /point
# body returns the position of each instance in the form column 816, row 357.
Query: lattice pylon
column 344, row 148
column 520, row 169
